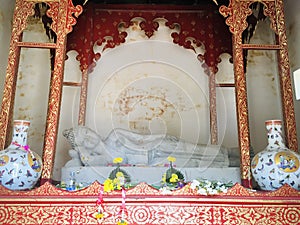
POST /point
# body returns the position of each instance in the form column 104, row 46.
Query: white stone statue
column 88, row 149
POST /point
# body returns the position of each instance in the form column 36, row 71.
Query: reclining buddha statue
column 89, row 149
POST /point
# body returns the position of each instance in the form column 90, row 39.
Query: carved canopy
column 198, row 25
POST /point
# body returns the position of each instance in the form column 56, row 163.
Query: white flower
column 206, row 187
column 165, row 191
column 213, row 191
column 207, row 184
column 195, row 184
column 223, row 189
column 122, row 180
column 202, row 191
column 209, row 190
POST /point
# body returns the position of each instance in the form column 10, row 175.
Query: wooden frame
column 237, row 13
column 43, row 204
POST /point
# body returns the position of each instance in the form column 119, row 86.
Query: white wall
column 31, row 100
column 33, row 74
column 263, row 88
column 6, row 14
column 292, row 17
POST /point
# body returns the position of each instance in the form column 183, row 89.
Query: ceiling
column 166, row 2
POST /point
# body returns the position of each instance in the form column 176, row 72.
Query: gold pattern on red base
column 147, row 205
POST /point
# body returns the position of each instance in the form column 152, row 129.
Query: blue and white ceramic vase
column 20, row 167
column 276, row 165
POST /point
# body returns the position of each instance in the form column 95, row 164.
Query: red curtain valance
column 202, row 24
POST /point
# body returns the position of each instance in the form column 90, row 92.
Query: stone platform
column 150, row 175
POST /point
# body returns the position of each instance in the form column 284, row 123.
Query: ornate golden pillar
column 236, row 14
column 62, row 13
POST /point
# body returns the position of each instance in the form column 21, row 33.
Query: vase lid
column 273, row 122
column 20, row 122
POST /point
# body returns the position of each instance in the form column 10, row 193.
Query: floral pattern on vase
column 276, row 165
column 20, row 168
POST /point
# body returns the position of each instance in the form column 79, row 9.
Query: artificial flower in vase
column 276, row 165
column 20, row 167
column 173, row 178
column 117, row 180
column 117, row 177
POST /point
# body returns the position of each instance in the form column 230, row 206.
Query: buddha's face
column 82, row 137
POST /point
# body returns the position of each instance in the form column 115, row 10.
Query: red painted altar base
column 146, row 205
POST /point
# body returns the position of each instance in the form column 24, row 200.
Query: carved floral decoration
column 198, row 25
